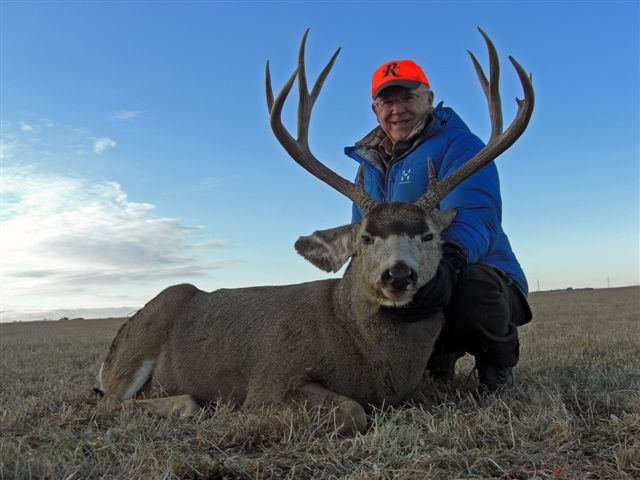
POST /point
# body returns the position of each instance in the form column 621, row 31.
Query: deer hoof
column 185, row 407
column 350, row 419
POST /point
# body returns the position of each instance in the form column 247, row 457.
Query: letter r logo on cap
column 391, row 70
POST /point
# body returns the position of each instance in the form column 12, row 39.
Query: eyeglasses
column 403, row 101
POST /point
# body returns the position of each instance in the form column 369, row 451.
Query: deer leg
column 183, row 406
column 350, row 416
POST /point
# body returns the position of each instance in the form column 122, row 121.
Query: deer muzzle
column 398, row 277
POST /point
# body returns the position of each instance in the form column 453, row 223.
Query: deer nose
column 398, row 276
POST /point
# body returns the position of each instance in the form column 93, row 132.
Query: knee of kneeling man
column 488, row 312
column 505, row 354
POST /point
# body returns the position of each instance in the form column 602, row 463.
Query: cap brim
column 411, row 84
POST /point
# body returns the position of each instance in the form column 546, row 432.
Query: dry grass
column 575, row 415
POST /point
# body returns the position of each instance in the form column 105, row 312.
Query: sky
column 136, row 151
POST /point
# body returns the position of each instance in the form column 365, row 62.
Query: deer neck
column 394, row 347
column 351, row 299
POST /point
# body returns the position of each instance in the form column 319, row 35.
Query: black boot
column 442, row 367
column 494, row 378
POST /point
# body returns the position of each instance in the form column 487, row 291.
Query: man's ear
column 443, row 218
column 328, row 249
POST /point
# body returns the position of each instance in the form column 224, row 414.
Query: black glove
column 436, row 294
column 456, row 260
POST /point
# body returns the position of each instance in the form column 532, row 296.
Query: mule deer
column 340, row 343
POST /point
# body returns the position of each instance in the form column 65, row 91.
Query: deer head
column 395, row 248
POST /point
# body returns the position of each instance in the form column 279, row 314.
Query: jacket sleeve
column 477, row 200
column 356, row 214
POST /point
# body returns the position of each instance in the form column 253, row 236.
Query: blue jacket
column 477, row 227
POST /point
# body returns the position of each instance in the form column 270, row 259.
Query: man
column 480, row 284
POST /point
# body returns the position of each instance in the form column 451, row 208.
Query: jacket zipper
column 389, row 184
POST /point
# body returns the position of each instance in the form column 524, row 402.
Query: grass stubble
column 575, row 414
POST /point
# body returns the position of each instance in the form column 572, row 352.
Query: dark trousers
column 482, row 318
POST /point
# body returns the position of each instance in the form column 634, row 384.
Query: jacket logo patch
column 406, row 176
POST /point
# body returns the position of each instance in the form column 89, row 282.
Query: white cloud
column 67, row 239
column 25, row 127
column 125, row 115
column 103, row 144
column 214, row 182
column 8, row 146
column 209, row 244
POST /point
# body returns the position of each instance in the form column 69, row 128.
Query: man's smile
column 401, row 123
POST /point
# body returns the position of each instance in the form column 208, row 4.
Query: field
column 575, row 414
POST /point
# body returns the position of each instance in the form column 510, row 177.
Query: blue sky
column 136, row 151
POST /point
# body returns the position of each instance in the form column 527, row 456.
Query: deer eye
column 367, row 240
column 427, row 238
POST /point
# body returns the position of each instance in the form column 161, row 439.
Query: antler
column 499, row 141
column 298, row 148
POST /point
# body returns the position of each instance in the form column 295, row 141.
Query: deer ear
column 328, row 249
column 443, row 218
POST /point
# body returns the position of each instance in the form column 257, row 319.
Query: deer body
column 248, row 347
column 346, row 343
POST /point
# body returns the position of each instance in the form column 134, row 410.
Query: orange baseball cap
column 405, row 73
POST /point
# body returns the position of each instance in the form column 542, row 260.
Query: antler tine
column 525, row 105
column 268, row 88
column 499, row 141
column 304, row 106
column 430, row 200
column 491, row 88
column 298, row 148
column 315, row 91
column 275, row 110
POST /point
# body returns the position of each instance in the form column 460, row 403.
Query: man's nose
column 398, row 106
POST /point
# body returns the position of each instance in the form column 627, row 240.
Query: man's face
column 399, row 110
